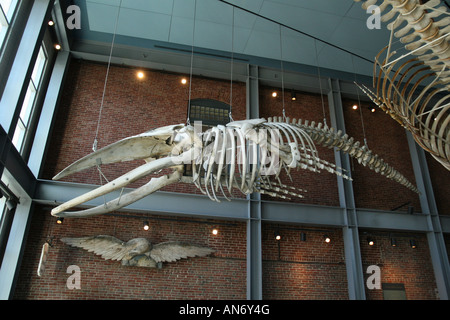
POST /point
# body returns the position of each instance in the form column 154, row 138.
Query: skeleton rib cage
column 414, row 90
column 246, row 155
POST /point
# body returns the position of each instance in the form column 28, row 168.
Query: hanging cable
column 94, row 146
column 359, row 104
column 320, row 85
column 232, row 64
column 282, row 73
column 188, row 121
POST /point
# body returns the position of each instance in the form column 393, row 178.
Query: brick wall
column 321, row 187
column 313, row 269
column 292, row 268
column 305, row 270
column 221, row 275
column 387, row 139
column 400, row 264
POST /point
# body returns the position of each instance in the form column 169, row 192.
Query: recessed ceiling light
column 140, row 75
column 51, row 23
column 355, row 107
column 183, row 81
column 274, row 94
column 57, row 46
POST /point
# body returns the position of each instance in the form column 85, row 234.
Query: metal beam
column 355, row 277
column 12, row 161
column 170, row 203
column 436, row 242
column 304, row 214
column 14, row 247
column 373, row 219
column 53, row 193
column 445, row 224
column 254, row 224
column 254, row 249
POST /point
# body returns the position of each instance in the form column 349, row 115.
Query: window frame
column 6, row 19
column 29, row 106
column 211, row 105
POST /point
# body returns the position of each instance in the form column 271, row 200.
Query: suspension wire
column 282, row 73
column 232, row 64
column 94, row 146
column 188, row 121
column 359, row 104
column 320, row 85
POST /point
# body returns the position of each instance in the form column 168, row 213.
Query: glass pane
column 8, row 7
column 38, row 67
column 3, row 28
column 6, row 4
column 19, row 134
column 28, row 103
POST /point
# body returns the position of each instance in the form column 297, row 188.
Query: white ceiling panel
column 181, row 30
column 336, row 7
column 317, row 23
column 339, row 27
column 147, row 25
column 95, row 10
column 156, row 6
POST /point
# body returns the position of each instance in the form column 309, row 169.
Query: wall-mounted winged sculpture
column 412, row 87
column 138, row 252
column 247, row 155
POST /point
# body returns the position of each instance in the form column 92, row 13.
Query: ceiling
column 329, row 33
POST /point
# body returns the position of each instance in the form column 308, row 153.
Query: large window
column 7, row 8
column 209, row 112
column 29, row 103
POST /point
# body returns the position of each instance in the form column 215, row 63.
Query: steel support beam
column 15, row 244
column 169, row 203
column 388, row 220
column 12, row 161
column 436, row 243
column 254, row 249
column 355, row 277
column 254, row 224
column 304, row 214
column 445, row 224
column 52, row 193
